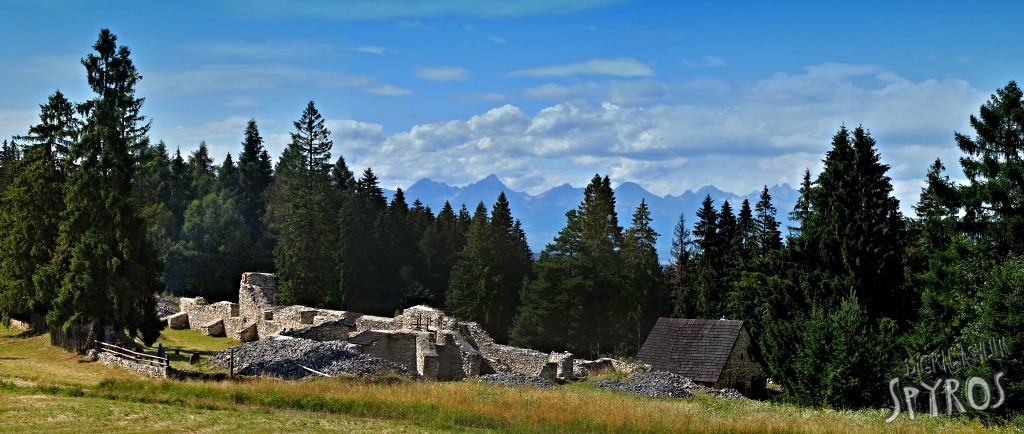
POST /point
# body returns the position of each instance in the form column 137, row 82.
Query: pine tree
column 581, row 274
column 9, row 154
column 105, row 267
column 30, row 208
column 440, row 246
column 469, row 293
column 486, row 279
column 255, row 175
column 343, row 179
column 993, row 197
column 646, row 296
column 359, row 247
column 802, row 210
column 767, row 237
column 202, row 175
column 307, row 229
column 399, row 253
column 745, row 237
column 227, row 176
column 714, row 234
column 678, row 276
column 845, row 266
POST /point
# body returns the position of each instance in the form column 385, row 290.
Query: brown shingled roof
column 695, row 348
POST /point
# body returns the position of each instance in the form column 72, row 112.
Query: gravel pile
column 284, row 358
column 665, row 384
column 516, row 379
column 655, row 384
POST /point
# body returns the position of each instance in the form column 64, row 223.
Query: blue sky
column 672, row 95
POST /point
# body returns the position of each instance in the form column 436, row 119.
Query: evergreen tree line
column 95, row 221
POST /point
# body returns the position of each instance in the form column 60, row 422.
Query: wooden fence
column 132, row 355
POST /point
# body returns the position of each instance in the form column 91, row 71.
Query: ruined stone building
column 422, row 338
column 713, row 352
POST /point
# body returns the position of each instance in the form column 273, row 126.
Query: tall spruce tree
column 578, row 278
column 359, row 248
column 645, row 296
column 227, row 176
column 678, row 276
column 993, row 197
column 307, row 229
column 486, row 279
column 201, row 173
column 30, row 208
column 767, row 237
column 440, row 246
column 845, row 270
column 105, row 267
column 255, row 175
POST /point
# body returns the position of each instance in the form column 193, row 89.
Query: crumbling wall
column 371, row 322
column 396, row 346
column 255, row 315
column 497, row 357
column 325, row 330
column 149, row 370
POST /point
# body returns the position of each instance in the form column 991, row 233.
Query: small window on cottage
column 741, row 356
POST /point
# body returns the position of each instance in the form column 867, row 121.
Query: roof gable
column 695, row 348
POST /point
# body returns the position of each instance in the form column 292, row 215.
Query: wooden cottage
column 715, row 353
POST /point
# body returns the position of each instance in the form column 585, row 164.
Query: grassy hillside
column 46, row 389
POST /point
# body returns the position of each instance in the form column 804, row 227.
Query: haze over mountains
column 543, row 215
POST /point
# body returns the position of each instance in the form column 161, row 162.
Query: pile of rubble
column 664, row 385
column 298, row 358
column 516, row 379
column 654, row 384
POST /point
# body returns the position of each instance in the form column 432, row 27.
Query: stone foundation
column 151, row 371
column 422, row 338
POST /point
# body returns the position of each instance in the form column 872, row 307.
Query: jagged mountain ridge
column 543, row 215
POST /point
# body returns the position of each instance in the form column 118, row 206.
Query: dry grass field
column 47, row 389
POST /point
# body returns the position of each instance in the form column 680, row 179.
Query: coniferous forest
column 97, row 219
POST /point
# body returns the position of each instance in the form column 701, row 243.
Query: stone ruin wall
column 498, row 357
column 255, row 316
column 146, row 369
column 422, row 338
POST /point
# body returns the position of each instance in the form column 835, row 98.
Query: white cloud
column 640, row 92
column 247, row 78
column 625, row 67
column 496, row 39
column 258, row 50
column 762, row 132
column 371, row 49
column 442, row 73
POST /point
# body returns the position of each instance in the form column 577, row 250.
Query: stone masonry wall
column 739, row 369
column 146, row 369
column 255, row 316
column 499, row 357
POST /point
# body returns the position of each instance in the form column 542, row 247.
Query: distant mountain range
column 543, row 215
